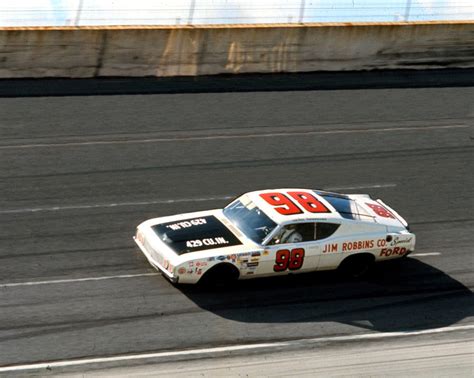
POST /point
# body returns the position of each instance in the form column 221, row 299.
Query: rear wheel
column 220, row 275
column 357, row 266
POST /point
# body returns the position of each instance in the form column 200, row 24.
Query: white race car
column 275, row 232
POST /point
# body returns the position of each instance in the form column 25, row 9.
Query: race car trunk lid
column 195, row 234
column 382, row 213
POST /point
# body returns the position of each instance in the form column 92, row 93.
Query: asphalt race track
column 77, row 174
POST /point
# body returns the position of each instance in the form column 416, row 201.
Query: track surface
column 79, row 173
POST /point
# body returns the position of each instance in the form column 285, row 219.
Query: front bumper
column 169, row 276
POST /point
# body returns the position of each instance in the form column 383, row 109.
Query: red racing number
column 286, row 206
column 289, row 260
column 281, row 203
column 380, row 210
column 309, row 202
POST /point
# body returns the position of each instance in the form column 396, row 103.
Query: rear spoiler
column 399, row 218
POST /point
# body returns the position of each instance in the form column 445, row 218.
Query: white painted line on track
column 367, row 186
column 233, row 348
column 238, row 136
column 105, row 205
column 166, row 201
column 85, row 279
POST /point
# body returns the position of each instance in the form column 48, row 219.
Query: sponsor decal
column 381, row 243
column 248, row 273
column 201, row 263
column 243, row 257
column 186, row 224
column 182, row 270
column 211, row 259
column 386, row 252
column 330, row 248
column 265, row 253
column 252, row 264
column 190, row 271
column 353, row 246
column 357, row 245
column 221, row 258
column 401, row 240
column 256, row 254
column 165, row 263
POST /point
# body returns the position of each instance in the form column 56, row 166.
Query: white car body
column 186, row 246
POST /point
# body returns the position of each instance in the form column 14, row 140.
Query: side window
column 325, row 230
column 295, row 233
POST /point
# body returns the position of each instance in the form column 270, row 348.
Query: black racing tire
column 220, row 275
column 357, row 266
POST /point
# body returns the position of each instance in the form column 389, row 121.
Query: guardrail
column 211, row 50
column 198, row 12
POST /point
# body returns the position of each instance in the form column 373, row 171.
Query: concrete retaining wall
column 209, row 50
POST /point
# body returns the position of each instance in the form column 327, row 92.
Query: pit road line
column 222, row 137
column 168, row 201
column 208, row 351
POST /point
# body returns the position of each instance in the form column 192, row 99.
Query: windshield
column 248, row 218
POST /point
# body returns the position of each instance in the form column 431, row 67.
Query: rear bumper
column 156, row 264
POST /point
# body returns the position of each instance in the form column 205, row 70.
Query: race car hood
column 197, row 233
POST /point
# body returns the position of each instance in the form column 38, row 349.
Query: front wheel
column 220, row 275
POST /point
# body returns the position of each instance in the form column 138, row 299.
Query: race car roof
column 293, row 204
